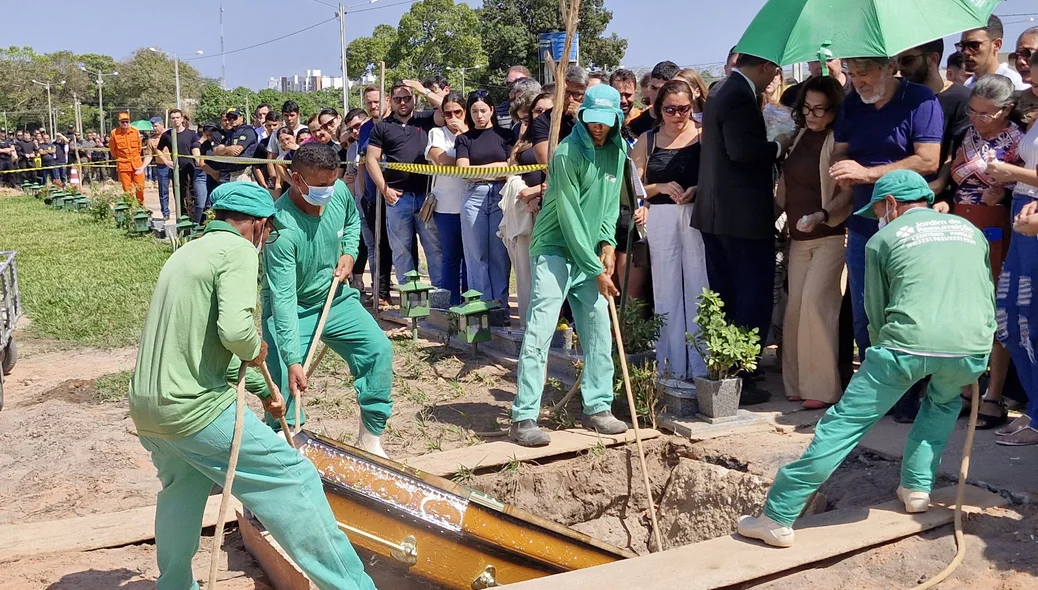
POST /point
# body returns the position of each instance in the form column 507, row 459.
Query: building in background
column 312, row 81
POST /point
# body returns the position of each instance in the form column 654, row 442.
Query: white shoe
column 915, row 501
column 369, row 442
column 767, row 530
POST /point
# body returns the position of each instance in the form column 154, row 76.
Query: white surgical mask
column 318, row 196
column 883, row 220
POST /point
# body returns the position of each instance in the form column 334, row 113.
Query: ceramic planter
column 718, row 399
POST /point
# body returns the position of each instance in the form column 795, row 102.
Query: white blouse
column 448, row 190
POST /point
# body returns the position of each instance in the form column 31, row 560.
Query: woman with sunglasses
column 982, row 198
column 448, row 192
column 815, row 211
column 484, row 145
column 667, row 159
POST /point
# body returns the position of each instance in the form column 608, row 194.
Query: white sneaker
column 915, row 501
column 767, row 530
column 369, row 442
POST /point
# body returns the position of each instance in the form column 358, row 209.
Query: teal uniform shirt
column 300, row 264
column 200, row 316
column 928, row 286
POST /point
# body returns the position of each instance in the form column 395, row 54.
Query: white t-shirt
column 273, row 147
column 447, row 189
column 1008, row 72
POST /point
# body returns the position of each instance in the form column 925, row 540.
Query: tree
column 434, row 36
column 364, row 53
column 146, row 82
column 510, row 30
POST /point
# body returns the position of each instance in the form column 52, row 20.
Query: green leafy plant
column 640, row 334
column 648, row 393
column 727, row 349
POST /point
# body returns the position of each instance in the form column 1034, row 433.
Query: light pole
column 176, row 68
column 100, row 96
column 463, row 75
column 50, row 108
column 341, row 15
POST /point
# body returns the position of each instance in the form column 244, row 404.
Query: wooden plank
column 282, row 571
column 86, row 533
column 498, row 453
column 726, row 561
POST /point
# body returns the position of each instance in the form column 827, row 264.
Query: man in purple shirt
column 886, row 124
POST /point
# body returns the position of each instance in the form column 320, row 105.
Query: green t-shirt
column 581, row 206
column 299, row 266
column 928, row 286
column 200, row 316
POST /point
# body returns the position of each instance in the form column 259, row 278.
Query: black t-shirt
column 484, row 146
column 542, row 127
column 47, row 157
column 25, row 147
column 187, row 140
column 4, row 144
column 404, row 143
column 60, row 157
column 954, row 102
column 528, row 158
column 642, row 123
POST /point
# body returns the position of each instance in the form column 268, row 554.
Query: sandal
column 1025, row 437
column 813, row 404
column 1015, row 426
column 987, row 421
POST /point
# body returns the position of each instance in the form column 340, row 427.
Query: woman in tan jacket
column 815, row 210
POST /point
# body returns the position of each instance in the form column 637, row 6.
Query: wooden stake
column 313, row 348
column 571, row 19
column 228, row 481
column 634, row 421
column 274, row 390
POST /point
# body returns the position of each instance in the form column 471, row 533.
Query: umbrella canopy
column 794, row 31
column 142, row 125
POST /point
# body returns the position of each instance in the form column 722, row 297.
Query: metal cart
column 10, row 311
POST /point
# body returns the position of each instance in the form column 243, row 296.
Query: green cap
column 244, row 197
column 905, row 186
column 601, row 105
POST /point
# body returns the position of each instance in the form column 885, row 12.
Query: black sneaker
column 526, row 433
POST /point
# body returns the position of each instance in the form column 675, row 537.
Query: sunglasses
column 274, row 234
column 454, row 114
column 972, row 46
column 1024, row 53
column 483, row 94
column 677, row 110
column 575, row 94
column 403, row 99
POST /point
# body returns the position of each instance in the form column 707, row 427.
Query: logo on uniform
column 610, row 177
column 603, row 102
column 242, row 138
column 905, row 231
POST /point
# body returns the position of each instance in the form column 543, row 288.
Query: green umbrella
column 142, row 125
column 794, row 31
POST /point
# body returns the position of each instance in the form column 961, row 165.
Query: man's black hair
column 956, row 60
column 731, row 52
column 290, row 106
column 260, row 106
column 995, row 29
column 436, row 79
column 225, row 215
column 665, row 70
column 598, row 75
column 353, row 114
column 748, row 61
column 273, row 115
column 622, row 75
column 935, row 46
column 315, row 156
column 328, row 111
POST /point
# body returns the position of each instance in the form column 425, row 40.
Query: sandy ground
column 64, row 454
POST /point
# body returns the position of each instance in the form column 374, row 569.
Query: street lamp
column 176, row 68
column 463, row 75
column 100, row 95
column 341, row 15
column 50, row 108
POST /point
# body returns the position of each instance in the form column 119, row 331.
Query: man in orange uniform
column 125, row 148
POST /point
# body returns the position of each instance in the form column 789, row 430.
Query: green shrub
column 639, row 334
column 725, row 348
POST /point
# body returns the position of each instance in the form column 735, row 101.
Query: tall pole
column 50, row 112
column 176, row 75
column 463, row 81
column 101, row 105
column 342, row 46
column 223, row 58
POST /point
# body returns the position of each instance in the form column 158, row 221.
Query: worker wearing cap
column 239, row 141
column 319, row 241
column 916, row 253
column 199, row 320
column 125, row 148
column 572, row 256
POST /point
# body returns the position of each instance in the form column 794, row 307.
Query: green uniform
column 579, row 214
column 918, row 254
column 183, row 408
column 298, row 268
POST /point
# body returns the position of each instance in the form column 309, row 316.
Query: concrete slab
column 995, row 467
column 695, row 429
column 729, row 561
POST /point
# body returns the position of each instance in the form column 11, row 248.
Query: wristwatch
column 825, row 215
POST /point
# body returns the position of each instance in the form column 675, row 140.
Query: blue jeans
column 453, row 273
column 856, row 284
column 403, row 223
column 1015, row 311
column 162, row 176
column 201, row 194
column 485, row 254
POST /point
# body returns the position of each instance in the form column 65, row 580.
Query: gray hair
column 524, row 86
column 576, row 75
column 865, row 62
column 996, row 88
column 523, row 102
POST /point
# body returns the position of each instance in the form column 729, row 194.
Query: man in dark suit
column 734, row 206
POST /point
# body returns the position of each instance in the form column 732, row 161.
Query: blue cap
column 155, row 120
column 601, row 105
column 244, row 197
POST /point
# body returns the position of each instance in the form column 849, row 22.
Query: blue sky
column 685, row 31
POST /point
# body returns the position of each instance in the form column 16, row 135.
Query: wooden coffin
column 440, row 531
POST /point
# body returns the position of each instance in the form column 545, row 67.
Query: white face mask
column 318, row 196
column 883, row 220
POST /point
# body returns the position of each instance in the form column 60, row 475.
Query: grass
column 82, row 283
column 112, row 387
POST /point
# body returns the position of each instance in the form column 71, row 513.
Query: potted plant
column 727, row 350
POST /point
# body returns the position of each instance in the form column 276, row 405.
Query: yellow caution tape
column 99, row 164
column 460, row 172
